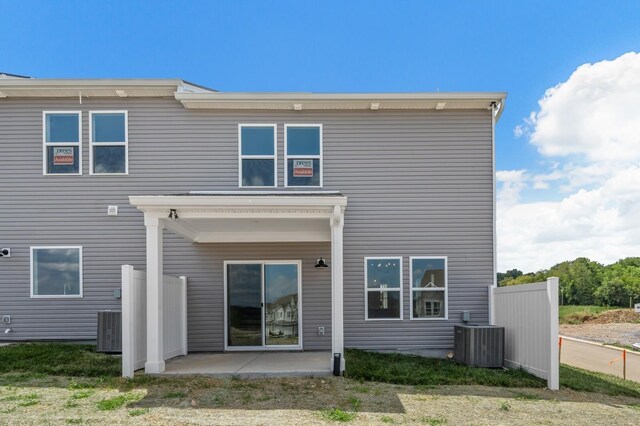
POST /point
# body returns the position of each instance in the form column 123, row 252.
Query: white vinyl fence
column 134, row 318
column 529, row 314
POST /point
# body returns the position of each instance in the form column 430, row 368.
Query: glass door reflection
column 244, row 304
column 281, row 305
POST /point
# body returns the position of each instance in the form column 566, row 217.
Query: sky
column 567, row 145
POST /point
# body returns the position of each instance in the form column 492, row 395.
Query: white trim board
column 160, row 202
column 265, row 193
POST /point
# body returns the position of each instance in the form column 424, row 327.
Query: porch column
column 337, row 316
column 155, row 295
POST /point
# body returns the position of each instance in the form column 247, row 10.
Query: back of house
column 302, row 221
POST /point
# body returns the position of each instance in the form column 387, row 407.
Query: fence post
column 624, row 364
column 560, row 349
column 492, row 312
column 553, row 382
column 128, row 326
column 184, row 314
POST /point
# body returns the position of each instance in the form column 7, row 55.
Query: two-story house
column 373, row 212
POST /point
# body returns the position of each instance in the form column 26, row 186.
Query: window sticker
column 302, row 168
column 63, row 156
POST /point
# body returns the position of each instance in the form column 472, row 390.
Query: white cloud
column 542, row 181
column 519, row 131
column 593, row 114
column 511, row 182
column 592, row 123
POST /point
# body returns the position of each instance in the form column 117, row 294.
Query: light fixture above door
column 321, row 263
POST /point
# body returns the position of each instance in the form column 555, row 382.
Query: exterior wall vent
column 479, row 345
column 109, row 331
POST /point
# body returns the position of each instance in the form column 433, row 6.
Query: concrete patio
column 251, row 364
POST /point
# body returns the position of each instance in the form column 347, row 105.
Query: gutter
column 494, row 115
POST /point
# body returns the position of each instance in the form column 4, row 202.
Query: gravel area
column 621, row 333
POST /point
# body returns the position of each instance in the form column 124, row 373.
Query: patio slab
column 251, row 364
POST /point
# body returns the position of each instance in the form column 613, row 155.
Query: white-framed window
column 62, row 142
column 303, row 155
column 429, row 287
column 257, row 164
column 56, row 271
column 109, row 142
column 383, row 288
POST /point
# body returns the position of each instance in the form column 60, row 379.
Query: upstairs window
column 62, row 142
column 428, row 287
column 109, row 142
column 257, row 159
column 383, row 287
column 303, row 155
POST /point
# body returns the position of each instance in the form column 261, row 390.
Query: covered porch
column 251, row 364
column 241, row 217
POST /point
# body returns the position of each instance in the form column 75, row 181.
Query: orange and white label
column 62, row 156
column 302, row 168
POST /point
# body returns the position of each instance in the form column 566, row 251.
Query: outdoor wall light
column 173, row 214
column 321, row 263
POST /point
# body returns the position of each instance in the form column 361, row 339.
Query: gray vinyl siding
column 418, row 183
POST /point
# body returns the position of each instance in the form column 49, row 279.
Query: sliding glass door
column 263, row 305
column 244, row 304
column 281, row 307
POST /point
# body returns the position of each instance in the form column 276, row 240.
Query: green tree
column 620, row 282
column 584, row 282
column 579, row 280
column 512, row 273
column 531, row 277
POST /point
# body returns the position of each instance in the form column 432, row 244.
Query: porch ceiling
column 238, row 217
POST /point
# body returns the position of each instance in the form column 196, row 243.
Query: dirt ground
column 621, row 333
column 616, row 316
column 302, row 401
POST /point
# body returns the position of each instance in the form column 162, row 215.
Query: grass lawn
column 417, row 370
column 60, row 359
column 71, row 384
column 577, row 314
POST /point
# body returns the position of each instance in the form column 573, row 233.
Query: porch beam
column 242, row 213
column 155, row 295
column 261, row 237
column 337, row 312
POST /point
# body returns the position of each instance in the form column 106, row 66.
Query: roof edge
column 299, row 101
column 108, row 87
column 489, row 96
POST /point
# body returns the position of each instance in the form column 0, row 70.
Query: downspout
column 494, row 108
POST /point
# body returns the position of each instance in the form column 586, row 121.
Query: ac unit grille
column 109, row 332
column 479, row 346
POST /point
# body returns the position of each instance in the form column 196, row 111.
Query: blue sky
column 523, row 48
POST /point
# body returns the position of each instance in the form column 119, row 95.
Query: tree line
column 585, row 282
